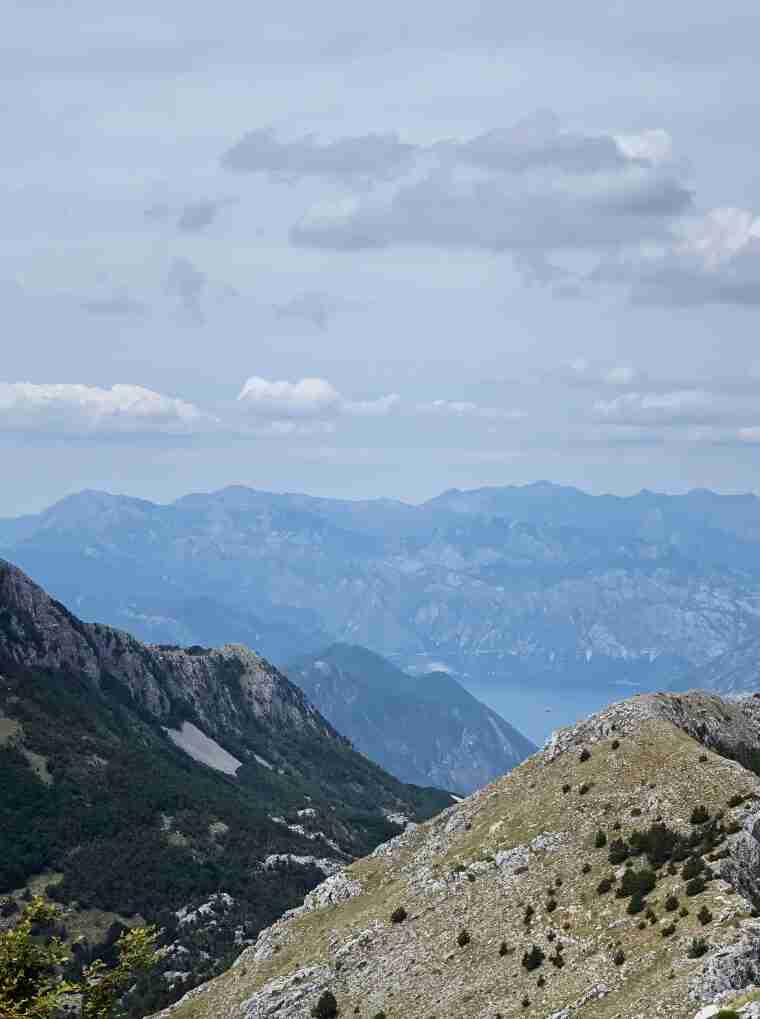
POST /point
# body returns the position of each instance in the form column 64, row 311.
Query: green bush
column 398, row 915
column 604, row 886
column 699, row 815
column 697, row 948
column 583, row 789
column 585, row 754
column 619, row 957
column 619, row 852
column 463, row 939
column 615, row 744
column 566, row 788
column 503, row 949
column 704, row 916
column 695, row 886
column 586, row 868
column 693, row 866
column 533, row 958
column 600, row 840
column 671, row 903
column 326, row 1007
column 668, row 930
column 727, row 1013
column 637, row 882
column 635, row 905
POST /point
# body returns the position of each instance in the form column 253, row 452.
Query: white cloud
column 466, row 409
column 79, row 410
column 307, row 399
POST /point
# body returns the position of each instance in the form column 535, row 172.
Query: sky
column 378, row 250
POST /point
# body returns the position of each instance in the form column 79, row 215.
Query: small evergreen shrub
column 683, row 911
column 533, row 959
column 642, row 925
column 635, row 905
column 600, row 840
column 699, row 815
column 326, row 1007
column 566, row 788
column 671, row 903
column 541, row 981
column 635, row 811
column 528, row 914
column 704, row 916
column 637, row 882
column 668, row 930
column 693, row 867
column 697, row 948
column 728, row 1013
column 398, row 915
column 586, row 868
column 463, row 939
column 618, row 852
column 736, row 800
column 583, row 789
column 695, row 886
column 615, row 744
column 525, row 1002
column 616, row 826
column 503, row 949
column 551, row 905
column 619, row 957
column 585, row 754
column 604, row 886
column 703, row 758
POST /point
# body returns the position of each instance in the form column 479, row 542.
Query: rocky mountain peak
column 615, row 873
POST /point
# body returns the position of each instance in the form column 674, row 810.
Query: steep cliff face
column 424, row 729
column 615, row 873
column 141, row 780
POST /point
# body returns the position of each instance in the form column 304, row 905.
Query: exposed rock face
column 518, row 865
column 425, row 729
column 36, row 630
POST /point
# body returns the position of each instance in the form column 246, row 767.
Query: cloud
column 369, row 157
column 530, row 189
column 315, row 308
column 465, row 409
column 196, row 216
column 187, row 283
column 309, row 399
column 712, row 259
column 116, row 306
column 64, row 409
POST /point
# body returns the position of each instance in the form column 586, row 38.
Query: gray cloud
column 196, row 216
column 314, row 307
column 187, row 283
column 530, row 188
column 367, row 157
column 117, row 306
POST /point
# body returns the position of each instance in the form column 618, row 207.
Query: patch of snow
column 263, row 762
column 328, row 867
column 202, row 748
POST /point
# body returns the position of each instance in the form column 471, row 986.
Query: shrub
column 525, row 1002
column 619, row 957
column 668, row 930
column 583, row 789
column 683, row 911
column 618, row 852
column 727, row 1013
column 600, row 840
column 637, row 882
column 736, row 800
column 604, row 886
column 379, row 1015
column 566, row 788
column 541, row 981
column 615, row 744
column 702, row 758
column 695, row 886
column 528, row 915
column 635, row 905
column 533, row 959
column 326, row 1007
column 616, row 826
column 693, row 866
column 556, row 959
column 642, row 924
column 463, row 939
column 699, row 815
column 551, row 905
column 586, row 868
column 697, row 948
column 585, row 754
column 671, row 903
column 635, row 811
column 503, row 949
column 398, row 915
column 704, row 916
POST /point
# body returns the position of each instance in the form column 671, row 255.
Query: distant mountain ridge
column 425, row 729
column 538, row 584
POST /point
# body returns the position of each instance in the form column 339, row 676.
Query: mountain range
column 540, row 584
column 164, row 783
column 426, row 729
